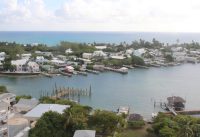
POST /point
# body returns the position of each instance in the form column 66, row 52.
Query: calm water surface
column 111, row 90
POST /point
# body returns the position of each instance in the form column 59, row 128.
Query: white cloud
column 103, row 15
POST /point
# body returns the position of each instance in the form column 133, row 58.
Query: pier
column 70, row 93
column 92, row 71
column 116, row 70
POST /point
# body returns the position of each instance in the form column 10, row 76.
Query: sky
column 100, row 15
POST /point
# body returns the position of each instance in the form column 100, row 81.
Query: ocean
column 54, row 38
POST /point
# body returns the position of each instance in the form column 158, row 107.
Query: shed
column 40, row 109
column 84, row 133
column 25, row 105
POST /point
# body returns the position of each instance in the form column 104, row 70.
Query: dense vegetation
column 77, row 117
column 3, row 89
column 176, row 126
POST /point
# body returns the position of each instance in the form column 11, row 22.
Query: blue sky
column 100, row 15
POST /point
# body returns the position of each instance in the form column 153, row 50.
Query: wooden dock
column 92, row 71
column 115, row 70
column 70, row 93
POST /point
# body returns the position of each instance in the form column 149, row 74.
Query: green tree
column 49, row 125
column 3, row 89
column 105, row 122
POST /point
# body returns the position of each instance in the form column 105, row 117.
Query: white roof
column 2, row 53
column 6, row 95
column 26, row 104
column 40, row 109
column 101, row 47
column 19, row 62
column 84, row 133
column 118, row 57
column 57, row 61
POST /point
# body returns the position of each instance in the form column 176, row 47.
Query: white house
column 118, row 57
column 68, row 51
column 101, row 47
column 129, row 51
column 40, row 59
column 19, row 64
column 139, row 52
column 26, row 56
column 179, row 56
column 40, row 109
column 2, row 56
column 87, row 55
column 176, row 49
column 33, row 67
column 99, row 53
column 56, row 61
column 49, row 54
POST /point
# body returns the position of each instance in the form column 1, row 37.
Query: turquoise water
column 53, row 38
column 111, row 90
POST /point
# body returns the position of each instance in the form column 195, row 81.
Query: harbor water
column 138, row 89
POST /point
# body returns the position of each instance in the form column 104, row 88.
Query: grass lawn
column 136, row 133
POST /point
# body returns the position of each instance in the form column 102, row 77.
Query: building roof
column 6, row 95
column 26, row 104
column 84, row 133
column 40, row 109
column 19, row 62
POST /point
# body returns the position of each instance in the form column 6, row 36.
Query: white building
column 179, row 56
column 139, row 52
column 2, row 56
column 56, row 61
column 26, row 56
column 177, row 49
column 99, row 53
column 40, row 59
column 101, row 47
column 33, row 67
column 118, row 57
column 68, row 51
column 40, row 109
column 49, row 54
column 20, row 64
column 129, row 51
column 87, row 55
